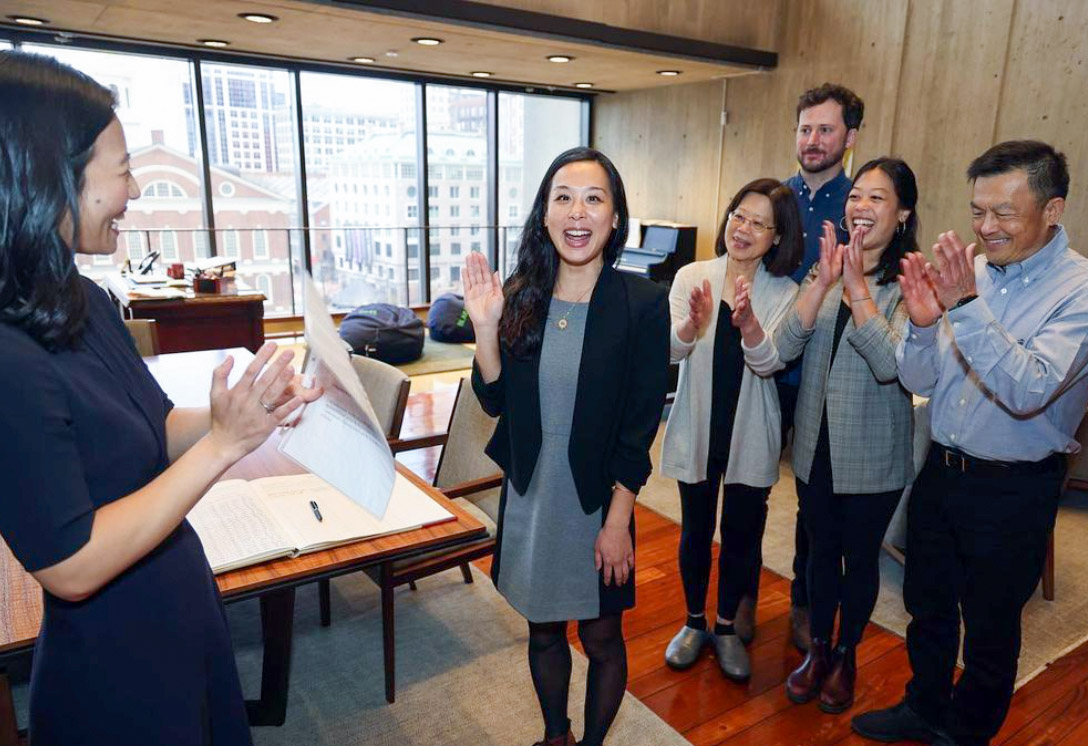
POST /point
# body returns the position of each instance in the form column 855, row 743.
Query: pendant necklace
column 562, row 323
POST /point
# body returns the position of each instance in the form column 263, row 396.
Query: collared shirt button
column 1027, row 280
column 963, row 402
column 1004, row 290
column 804, row 235
column 914, row 335
column 810, row 209
column 952, row 437
column 970, row 359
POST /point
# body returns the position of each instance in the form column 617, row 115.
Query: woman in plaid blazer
column 852, row 432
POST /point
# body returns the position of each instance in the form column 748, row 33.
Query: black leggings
column 744, row 516
column 845, row 533
column 550, row 664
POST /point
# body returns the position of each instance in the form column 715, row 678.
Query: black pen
column 317, row 510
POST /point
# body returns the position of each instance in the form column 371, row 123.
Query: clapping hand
column 918, row 292
column 953, row 278
column 700, row 306
column 831, row 257
column 853, row 266
column 243, row 416
column 743, row 318
column 483, row 293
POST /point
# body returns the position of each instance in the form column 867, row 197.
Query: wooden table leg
column 9, row 726
column 277, row 617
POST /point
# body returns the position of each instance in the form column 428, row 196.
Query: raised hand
column 831, row 257
column 953, row 278
column 244, row 416
column 918, row 292
column 853, row 266
column 483, row 293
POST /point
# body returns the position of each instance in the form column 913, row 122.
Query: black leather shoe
column 899, row 723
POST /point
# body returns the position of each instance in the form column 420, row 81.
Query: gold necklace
column 562, row 323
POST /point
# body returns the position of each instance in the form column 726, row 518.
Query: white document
column 338, row 437
column 242, row 523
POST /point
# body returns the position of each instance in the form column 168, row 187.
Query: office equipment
column 663, row 249
column 243, row 523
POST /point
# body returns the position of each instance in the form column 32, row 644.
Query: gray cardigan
column 869, row 417
column 756, row 443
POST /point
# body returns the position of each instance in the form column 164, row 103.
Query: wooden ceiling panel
column 327, row 33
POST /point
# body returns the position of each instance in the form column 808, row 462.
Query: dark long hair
column 49, row 121
column 784, row 257
column 906, row 240
column 529, row 288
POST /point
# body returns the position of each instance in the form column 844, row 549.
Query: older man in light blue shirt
column 999, row 343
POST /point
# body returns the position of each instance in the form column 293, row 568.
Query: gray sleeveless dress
column 547, row 571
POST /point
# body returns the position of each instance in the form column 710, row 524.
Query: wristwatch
column 963, row 302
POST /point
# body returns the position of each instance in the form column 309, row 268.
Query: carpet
column 439, row 357
column 462, row 673
column 1050, row 628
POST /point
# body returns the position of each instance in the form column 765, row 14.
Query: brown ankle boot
column 567, row 739
column 804, row 683
column 837, row 692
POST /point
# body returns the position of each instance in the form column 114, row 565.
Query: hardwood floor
column 709, row 710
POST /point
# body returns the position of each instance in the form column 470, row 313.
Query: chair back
column 1078, row 462
column 387, row 388
column 145, row 335
column 463, row 458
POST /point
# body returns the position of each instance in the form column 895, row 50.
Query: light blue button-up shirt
column 1006, row 373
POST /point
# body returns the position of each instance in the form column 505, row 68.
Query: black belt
column 955, row 459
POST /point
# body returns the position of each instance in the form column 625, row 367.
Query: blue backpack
column 384, row 331
column 448, row 320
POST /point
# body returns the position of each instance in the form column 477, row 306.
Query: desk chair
column 145, row 335
column 387, row 387
column 466, row 474
column 1076, row 478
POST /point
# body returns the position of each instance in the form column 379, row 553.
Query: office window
column 474, row 192
column 455, row 248
column 455, row 192
column 155, row 108
column 432, row 211
column 252, row 155
column 413, row 275
column 432, row 192
column 455, row 211
column 413, row 211
column 455, row 273
column 200, row 245
column 535, row 130
column 264, row 285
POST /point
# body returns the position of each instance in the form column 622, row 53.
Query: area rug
column 462, row 673
column 1050, row 628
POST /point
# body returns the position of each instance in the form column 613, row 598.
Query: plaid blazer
column 869, row 416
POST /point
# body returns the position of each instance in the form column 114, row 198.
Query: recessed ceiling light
column 29, row 20
column 217, row 43
column 481, row 74
column 258, row 17
column 669, row 73
column 583, row 85
column 363, row 60
column 427, row 41
column 559, row 58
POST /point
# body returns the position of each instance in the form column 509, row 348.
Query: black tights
column 550, row 664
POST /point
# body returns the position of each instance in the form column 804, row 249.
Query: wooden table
column 199, row 321
column 186, row 378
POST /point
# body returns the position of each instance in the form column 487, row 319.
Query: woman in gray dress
column 572, row 356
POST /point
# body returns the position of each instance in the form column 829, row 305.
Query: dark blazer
column 622, row 382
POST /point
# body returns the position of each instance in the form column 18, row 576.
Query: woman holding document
column 572, row 357
column 100, row 469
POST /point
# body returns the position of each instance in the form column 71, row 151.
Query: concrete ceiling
column 332, row 33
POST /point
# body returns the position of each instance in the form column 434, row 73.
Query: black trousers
column 845, row 532
column 976, row 545
column 744, row 516
column 787, row 400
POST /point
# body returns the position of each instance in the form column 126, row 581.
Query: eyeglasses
column 757, row 227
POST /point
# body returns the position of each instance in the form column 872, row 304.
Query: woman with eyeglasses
column 852, row 432
column 720, row 308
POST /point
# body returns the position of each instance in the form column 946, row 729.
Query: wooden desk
column 187, row 377
column 200, row 321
